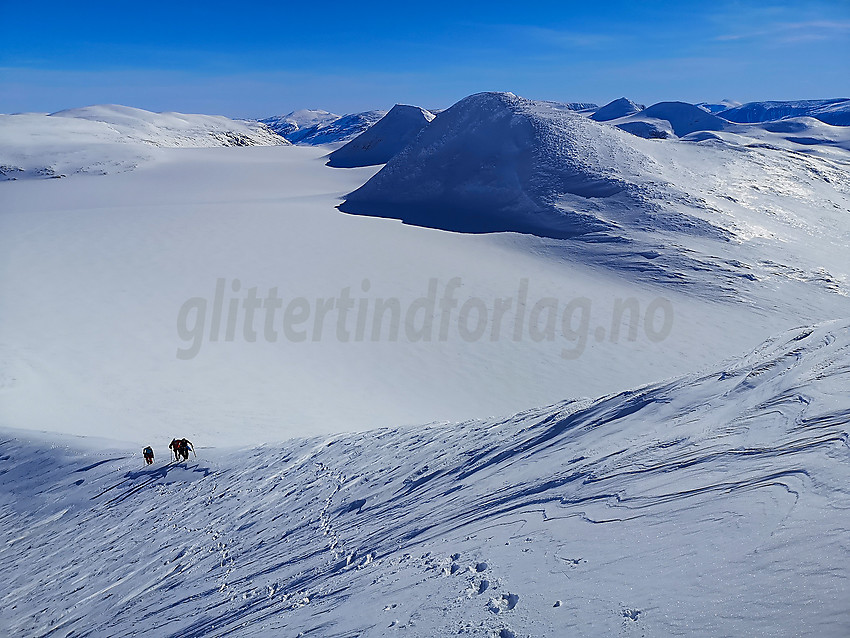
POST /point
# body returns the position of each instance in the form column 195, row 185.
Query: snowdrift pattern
column 655, row 511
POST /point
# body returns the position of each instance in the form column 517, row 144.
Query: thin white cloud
column 560, row 38
column 788, row 32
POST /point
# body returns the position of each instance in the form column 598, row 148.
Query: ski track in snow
column 714, row 504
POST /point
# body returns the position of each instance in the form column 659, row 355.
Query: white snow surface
column 383, row 140
column 111, row 138
column 714, row 504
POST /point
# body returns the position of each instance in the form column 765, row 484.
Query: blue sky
column 265, row 58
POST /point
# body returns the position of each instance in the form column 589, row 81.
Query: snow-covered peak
column 338, row 130
column 684, row 118
column 172, row 129
column 297, row 120
column 621, row 107
column 495, row 161
column 384, row 139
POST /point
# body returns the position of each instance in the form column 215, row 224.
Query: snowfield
column 364, row 389
column 710, row 505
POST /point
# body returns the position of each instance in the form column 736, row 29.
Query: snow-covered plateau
column 509, row 369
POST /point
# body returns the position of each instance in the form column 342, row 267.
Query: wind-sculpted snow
column 110, row 138
column 379, row 143
column 714, row 504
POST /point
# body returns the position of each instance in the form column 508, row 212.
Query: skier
column 185, row 446
column 148, row 454
column 174, row 446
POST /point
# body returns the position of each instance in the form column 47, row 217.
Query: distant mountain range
column 314, row 127
column 62, row 143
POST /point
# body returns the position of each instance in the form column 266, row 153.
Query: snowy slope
column 297, row 120
column 837, row 114
column 174, row 129
column 835, row 111
column 577, row 106
column 342, row 129
column 384, row 139
column 709, row 505
column 621, row 107
column 111, row 138
column 808, row 132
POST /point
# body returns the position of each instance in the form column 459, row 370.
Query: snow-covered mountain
column 342, row 129
column 709, row 505
column 384, row 139
column 671, row 118
column 834, row 111
column 111, row 138
column 585, row 107
column 495, row 162
column 174, row 129
column 297, row 120
column 621, row 107
column 717, row 107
